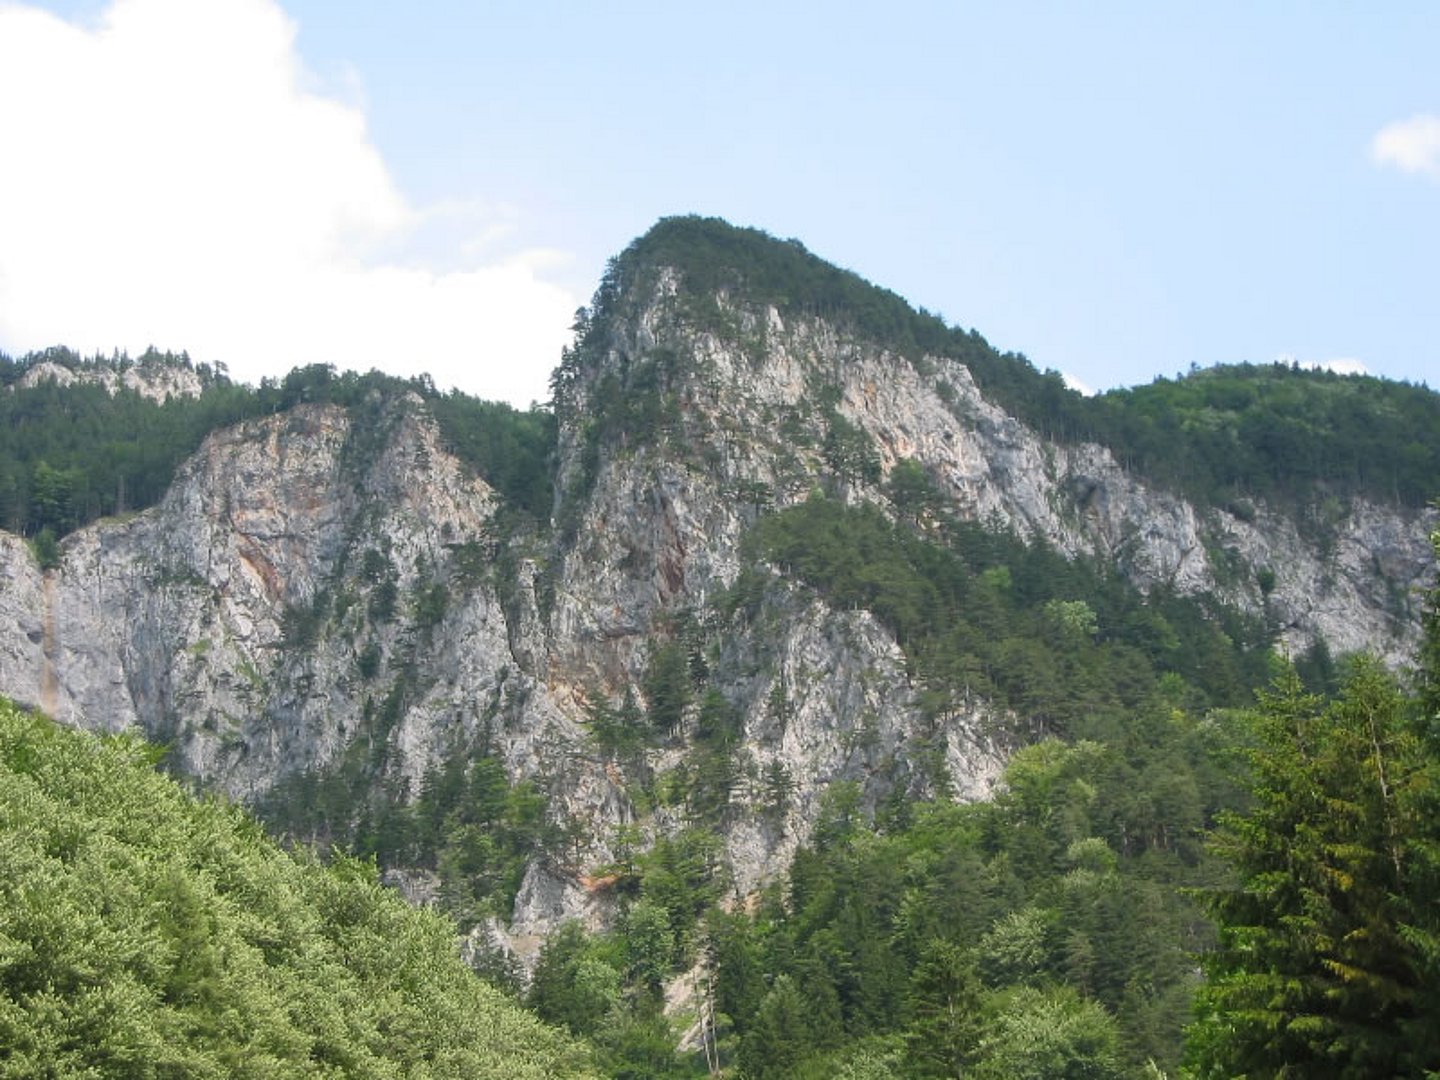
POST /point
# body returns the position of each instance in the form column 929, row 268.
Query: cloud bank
column 174, row 178
column 1412, row 146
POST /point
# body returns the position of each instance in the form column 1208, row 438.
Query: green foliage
column 511, row 449
column 1048, row 932
column 71, row 454
column 777, row 788
column 575, row 985
column 668, row 687
column 1044, row 933
column 849, row 451
column 143, row 933
column 622, row 733
column 1050, row 1035
column 641, row 1046
column 913, row 492
column 945, row 1009
column 783, row 1034
column 748, row 264
column 1429, row 659
column 1068, row 646
column 1017, row 948
column 431, row 601
column 609, row 987
column 1277, row 432
column 468, row 823
column 300, row 624
column 46, row 549
column 1327, row 961
column 649, row 944
column 1001, row 938
column 683, row 875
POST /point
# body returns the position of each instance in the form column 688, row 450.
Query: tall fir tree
column 1329, row 953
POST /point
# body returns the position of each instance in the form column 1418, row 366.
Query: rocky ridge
column 751, row 439
column 321, row 587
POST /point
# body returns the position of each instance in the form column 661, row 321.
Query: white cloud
column 1343, row 365
column 1075, row 383
column 1340, row 365
column 1412, row 146
column 173, row 177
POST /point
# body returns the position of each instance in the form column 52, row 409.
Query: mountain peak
column 749, row 265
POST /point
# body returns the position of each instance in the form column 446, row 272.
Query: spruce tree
column 1327, row 959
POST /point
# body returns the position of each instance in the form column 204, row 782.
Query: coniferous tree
column 1325, row 964
column 946, row 1011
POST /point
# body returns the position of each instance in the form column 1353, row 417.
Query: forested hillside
column 1222, row 435
column 144, row 933
column 1054, row 930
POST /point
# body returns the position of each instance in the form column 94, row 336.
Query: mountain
column 784, row 552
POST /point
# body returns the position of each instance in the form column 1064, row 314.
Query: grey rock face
column 748, row 436
column 310, row 590
column 158, row 382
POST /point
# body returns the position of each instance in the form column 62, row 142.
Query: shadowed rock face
column 308, row 590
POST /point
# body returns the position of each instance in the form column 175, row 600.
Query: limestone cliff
column 154, row 379
column 327, row 586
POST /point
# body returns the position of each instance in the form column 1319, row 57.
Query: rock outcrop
column 316, row 589
column 156, row 381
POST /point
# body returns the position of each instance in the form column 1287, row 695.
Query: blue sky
column 1117, row 190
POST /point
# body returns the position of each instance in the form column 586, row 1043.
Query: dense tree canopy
column 1050, row 931
column 980, row 611
column 143, row 933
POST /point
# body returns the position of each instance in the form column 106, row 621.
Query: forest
column 1228, row 436
column 1051, row 932
column 145, row 933
column 1290, row 847
column 1054, row 930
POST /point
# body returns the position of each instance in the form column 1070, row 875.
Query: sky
column 1117, row 190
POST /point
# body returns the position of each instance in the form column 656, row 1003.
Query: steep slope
column 147, row 933
column 709, row 389
column 330, row 616
column 758, row 405
column 314, row 594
